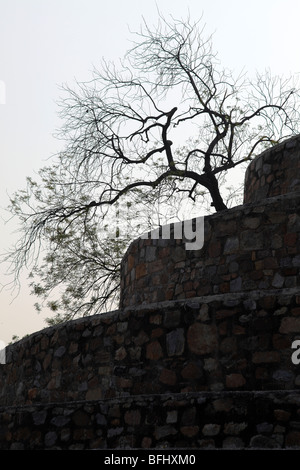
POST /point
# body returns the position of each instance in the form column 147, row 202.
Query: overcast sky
column 45, row 43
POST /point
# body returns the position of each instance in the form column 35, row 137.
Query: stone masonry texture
column 199, row 354
column 225, row 343
column 251, row 247
column 267, row 420
column 274, row 172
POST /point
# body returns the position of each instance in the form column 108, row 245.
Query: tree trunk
column 213, row 187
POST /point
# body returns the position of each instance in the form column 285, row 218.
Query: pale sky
column 45, row 43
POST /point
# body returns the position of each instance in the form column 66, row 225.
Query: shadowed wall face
column 255, row 246
column 204, row 336
column 248, row 248
column 218, row 343
column 276, row 171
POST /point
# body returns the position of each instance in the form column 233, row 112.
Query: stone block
column 133, row 417
column 140, row 270
column 251, row 240
column 290, row 325
column 235, row 381
column 189, row 431
column 175, row 342
column 168, row 377
column 231, row 245
column 265, row 357
column 202, row 338
column 211, row 429
column 154, row 351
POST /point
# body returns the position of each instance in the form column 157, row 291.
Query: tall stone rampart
column 199, row 355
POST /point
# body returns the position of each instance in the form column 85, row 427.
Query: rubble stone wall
column 227, row 342
column 276, row 171
column 199, row 355
column 255, row 246
column 227, row 420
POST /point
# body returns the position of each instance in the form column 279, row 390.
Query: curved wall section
column 276, row 171
column 200, row 353
column 227, row 342
column 250, row 247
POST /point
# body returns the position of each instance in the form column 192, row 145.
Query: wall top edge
column 229, row 299
column 248, row 206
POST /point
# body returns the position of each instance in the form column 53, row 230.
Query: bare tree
column 168, row 122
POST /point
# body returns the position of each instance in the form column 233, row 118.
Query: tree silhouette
column 168, row 123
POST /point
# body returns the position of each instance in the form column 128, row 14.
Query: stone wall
column 199, row 354
column 212, row 372
column 276, row 171
column 229, row 342
column 227, row 420
column 251, row 247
